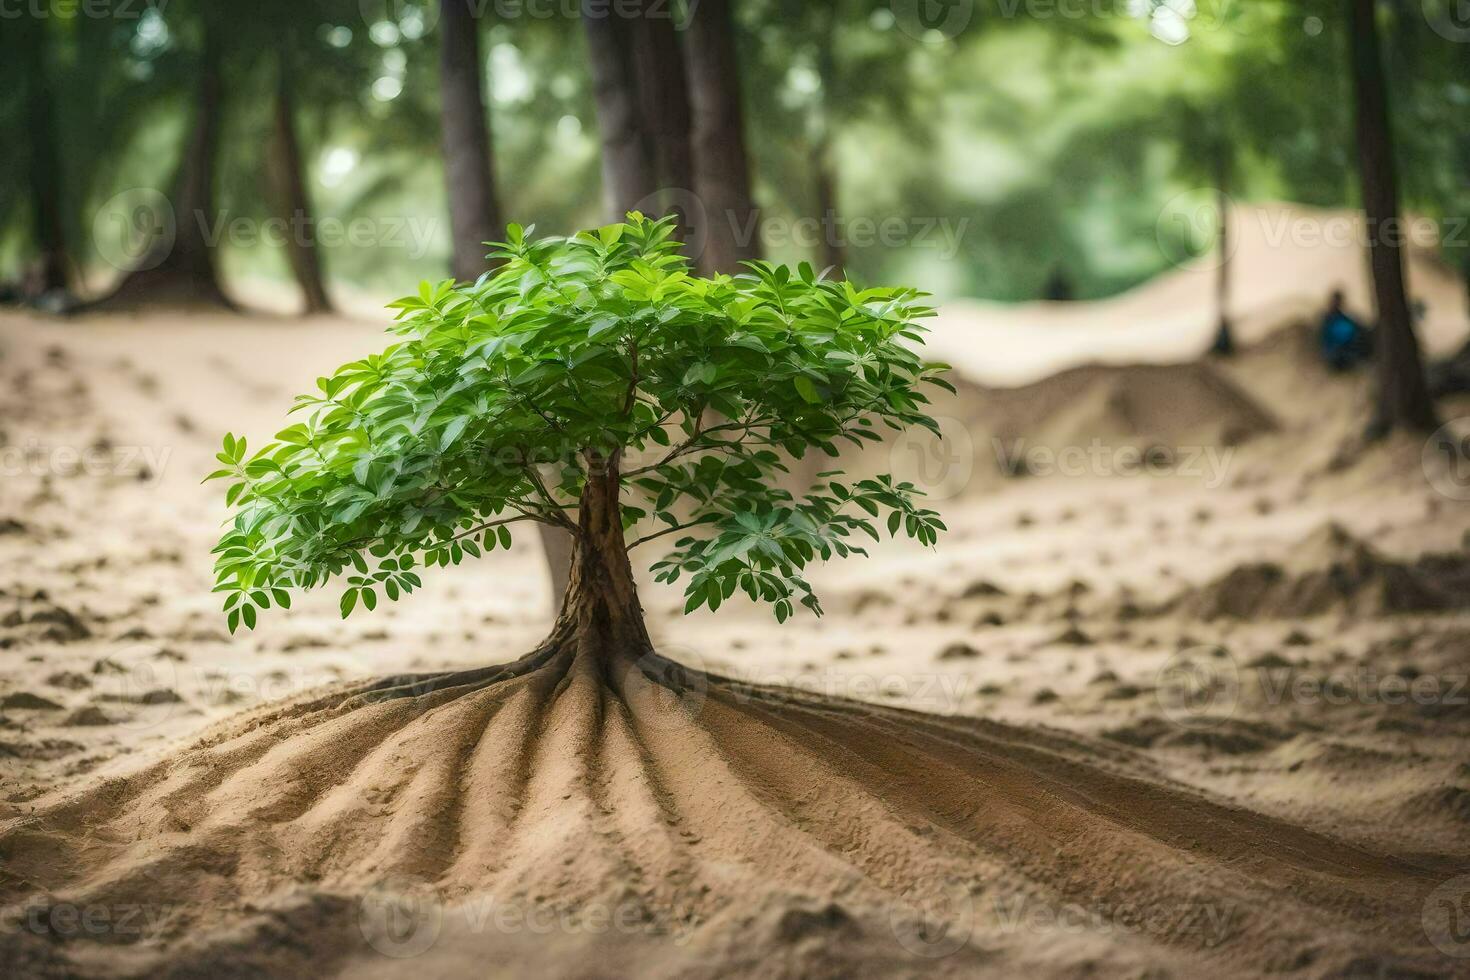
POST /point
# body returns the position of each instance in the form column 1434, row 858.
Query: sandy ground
column 1193, row 690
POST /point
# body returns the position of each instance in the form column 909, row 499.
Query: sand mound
column 1276, row 276
column 719, row 818
column 1332, row 571
column 1171, row 407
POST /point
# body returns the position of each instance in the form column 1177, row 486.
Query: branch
column 633, row 378
column 489, row 524
column 690, row 445
column 670, row 530
column 556, row 515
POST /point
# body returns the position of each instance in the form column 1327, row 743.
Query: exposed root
column 568, row 779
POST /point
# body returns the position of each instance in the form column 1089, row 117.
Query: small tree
column 595, row 385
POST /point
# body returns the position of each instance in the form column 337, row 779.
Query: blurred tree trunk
column 180, row 269
column 474, row 211
column 630, row 165
column 44, row 166
column 292, row 199
column 1465, row 277
column 663, row 106
column 831, row 255
column 628, row 170
column 721, row 172
column 474, row 216
column 1403, row 398
column 1224, row 332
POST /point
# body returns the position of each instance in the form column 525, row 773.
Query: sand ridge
column 563, row 780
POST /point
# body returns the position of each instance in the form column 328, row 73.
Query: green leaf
column 602, row 325
column 490, row 393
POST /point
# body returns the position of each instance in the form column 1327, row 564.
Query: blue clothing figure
column 1345, row 343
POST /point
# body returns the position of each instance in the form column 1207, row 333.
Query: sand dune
column 1333, row 571
column 1286, row 259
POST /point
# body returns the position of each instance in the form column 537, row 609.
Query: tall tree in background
column 717, row 139
column 474, row 211
column 1224, row 333
column 620, row 51
column 474, row 215
column 288, row 179
column 43, row 165
column 1403, row 397
column 831, row 254
column 182, row 271
column 628, row 169
column 663, row 104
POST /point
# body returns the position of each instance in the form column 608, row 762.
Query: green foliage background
column 1050, row 133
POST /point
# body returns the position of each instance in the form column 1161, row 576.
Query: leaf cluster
column 603, row 346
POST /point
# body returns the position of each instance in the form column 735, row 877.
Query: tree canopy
column 504, row 397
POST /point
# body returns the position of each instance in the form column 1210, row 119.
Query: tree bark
column 831, row 255
column 558, row 546
column 1403, row 398
column 663, row 106
column 293, row 200
column 474, row 216
column 183, row 272
column 721, row 172
column 44, row 167
column 601, row 606
column 628, row 171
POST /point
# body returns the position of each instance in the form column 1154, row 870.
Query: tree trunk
column 469, row 172
column 1403, row 397
column 721, row 175
column 292, row 197
column 1465, row 280
column 558, row 546
column 628, row 174
column 474, row 212
column 44, row 167
column 831, row 255
column 663, row 107
column 1224, row 334
column 601, row 605
column 182, row 272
